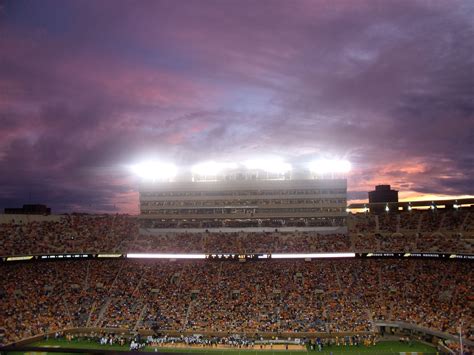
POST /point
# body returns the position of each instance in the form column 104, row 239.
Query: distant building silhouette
column 29, row 209
column 382, row 194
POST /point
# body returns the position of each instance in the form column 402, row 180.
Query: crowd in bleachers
column 414, row 243
column 388, row 222
column 409, row 221
column 361, row 223
column 72, row 233
column 241, row 242
column 259, row 296
column 420, row 231
column 423, row 221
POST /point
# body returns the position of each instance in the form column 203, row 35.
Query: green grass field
column 389, row 347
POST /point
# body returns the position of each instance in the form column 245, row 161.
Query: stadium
column 242, row 261
column 237, row 177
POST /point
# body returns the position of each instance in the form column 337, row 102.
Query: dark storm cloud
column 89, row 87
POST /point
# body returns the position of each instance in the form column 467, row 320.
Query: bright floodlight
column 165, row 256
column 324, row 166
column 155, row 170
column 273, row 166
column 313, row 256
column 211, row 168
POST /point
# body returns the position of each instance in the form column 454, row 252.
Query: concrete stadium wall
column 320, row 230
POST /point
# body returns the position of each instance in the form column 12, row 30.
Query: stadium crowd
column 421, row 231
column 241, row 242
column 256, row 296
column 72, row 233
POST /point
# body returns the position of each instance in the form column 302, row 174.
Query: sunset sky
column 89, row 87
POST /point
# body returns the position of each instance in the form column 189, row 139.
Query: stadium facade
column 244, row 203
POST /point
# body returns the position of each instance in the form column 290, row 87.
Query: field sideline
column 388, row 347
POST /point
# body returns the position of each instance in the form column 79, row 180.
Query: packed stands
column 240, row 242
column 431, row 231
column 72, row 233
column 328, row 296
column 259, row 296
column 362, row 223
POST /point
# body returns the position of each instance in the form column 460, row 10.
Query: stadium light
column 155, row 170
column 165, row 256
column 313, row 256
column 211, row 168
column 273, row 166
column 324, row 166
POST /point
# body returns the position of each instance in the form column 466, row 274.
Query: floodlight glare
column 313, row 256
column 155, row 170
column 323, row 166
column 211, row 168
column 164, row 256
column 273, row 166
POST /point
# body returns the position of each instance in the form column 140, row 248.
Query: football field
column 388, row 347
